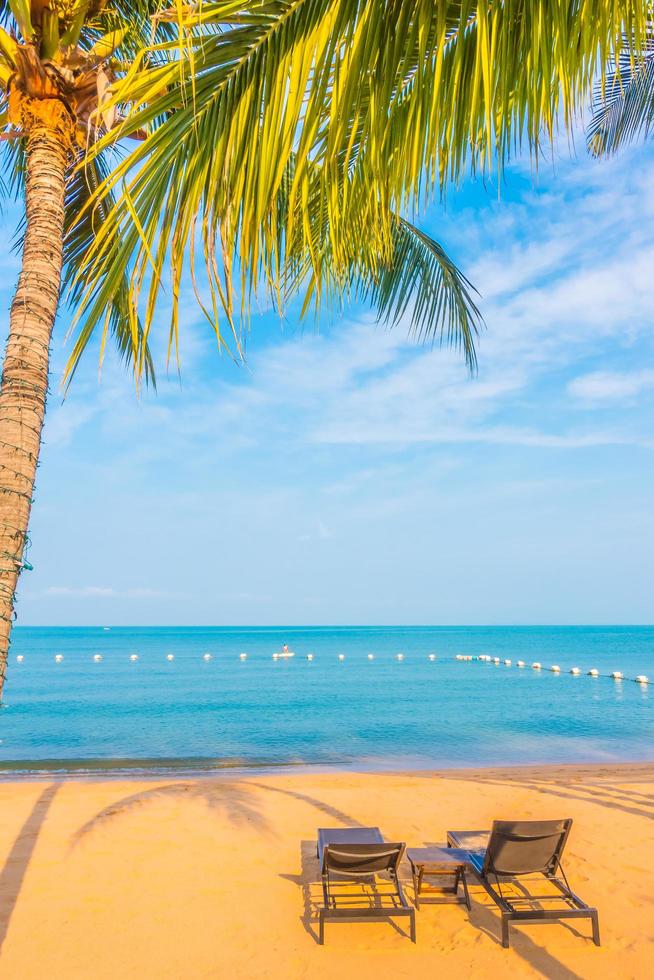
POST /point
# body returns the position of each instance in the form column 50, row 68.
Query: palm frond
column 390, row 100
column 121, row 321
column 421, row 282
column 623, row 106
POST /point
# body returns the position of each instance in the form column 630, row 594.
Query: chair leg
column 417, row 882
column 465, row 889
column 412, row 923
column 505, row 931
column 596, row 932
column 321, row 936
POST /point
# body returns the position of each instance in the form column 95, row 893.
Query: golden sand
column 218, row 877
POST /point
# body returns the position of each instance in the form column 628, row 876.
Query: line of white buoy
column 616, row 675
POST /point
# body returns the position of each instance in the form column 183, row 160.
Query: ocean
column 189, row 713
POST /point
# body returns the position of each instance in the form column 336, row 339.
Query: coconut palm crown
column 286, row 142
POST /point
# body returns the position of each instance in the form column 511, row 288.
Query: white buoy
column 309, row 656
column 555, row 669
column 593, row 672
column 536, row 666
column 207, row 657
column 371, row 656
column 20, row 658
column 496, row 660
column 520, row 663
column 59, row 657
column 134, row 657
column 242, row 656
column 617, row 675
column 97, row 657
column 341, row 656
column 171, row 656
column 575, row 671
column 642, row 679
column 507, row 663
column 400, row 656
column 432, row 656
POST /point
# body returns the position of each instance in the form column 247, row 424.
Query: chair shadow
column 482, row 917
column 312, row 896
column 311, row 888
column 18, row 859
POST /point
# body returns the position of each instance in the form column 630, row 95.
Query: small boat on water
column 284, row 653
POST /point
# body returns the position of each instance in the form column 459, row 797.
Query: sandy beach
column 217, row 877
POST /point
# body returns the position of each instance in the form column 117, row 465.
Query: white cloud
column 607, row 386
column 100, row 592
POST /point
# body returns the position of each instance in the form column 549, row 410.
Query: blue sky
column 347, row 476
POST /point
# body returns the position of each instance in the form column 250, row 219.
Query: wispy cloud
column 337, row 457
column 607, row 386
column 100, row 592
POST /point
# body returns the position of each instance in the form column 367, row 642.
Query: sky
column 345, row 475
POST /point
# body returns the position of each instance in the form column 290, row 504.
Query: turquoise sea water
column 379, row 714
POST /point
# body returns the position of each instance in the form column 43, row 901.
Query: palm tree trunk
column 24, row 383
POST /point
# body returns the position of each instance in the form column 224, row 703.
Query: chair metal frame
column 355, row 863
column 484, row 867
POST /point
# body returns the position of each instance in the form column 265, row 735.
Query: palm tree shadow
column 326, row 808
column 18, row 859
column 232, row 799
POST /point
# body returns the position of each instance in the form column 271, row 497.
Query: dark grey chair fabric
column 520, row 848
column 357, row 857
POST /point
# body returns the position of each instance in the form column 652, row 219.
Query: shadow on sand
column 18, row 859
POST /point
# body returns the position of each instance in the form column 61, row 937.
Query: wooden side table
column 438, row 862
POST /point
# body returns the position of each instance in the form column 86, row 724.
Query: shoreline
column 124, row 770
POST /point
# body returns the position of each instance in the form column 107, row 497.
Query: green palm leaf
column 121, row 320
column 378, row 103
column 624, row 105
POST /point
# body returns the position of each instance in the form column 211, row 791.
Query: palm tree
column 287, row 141
column 623, row 107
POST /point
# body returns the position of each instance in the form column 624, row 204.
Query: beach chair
column 359, row 877
column 515, row 850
